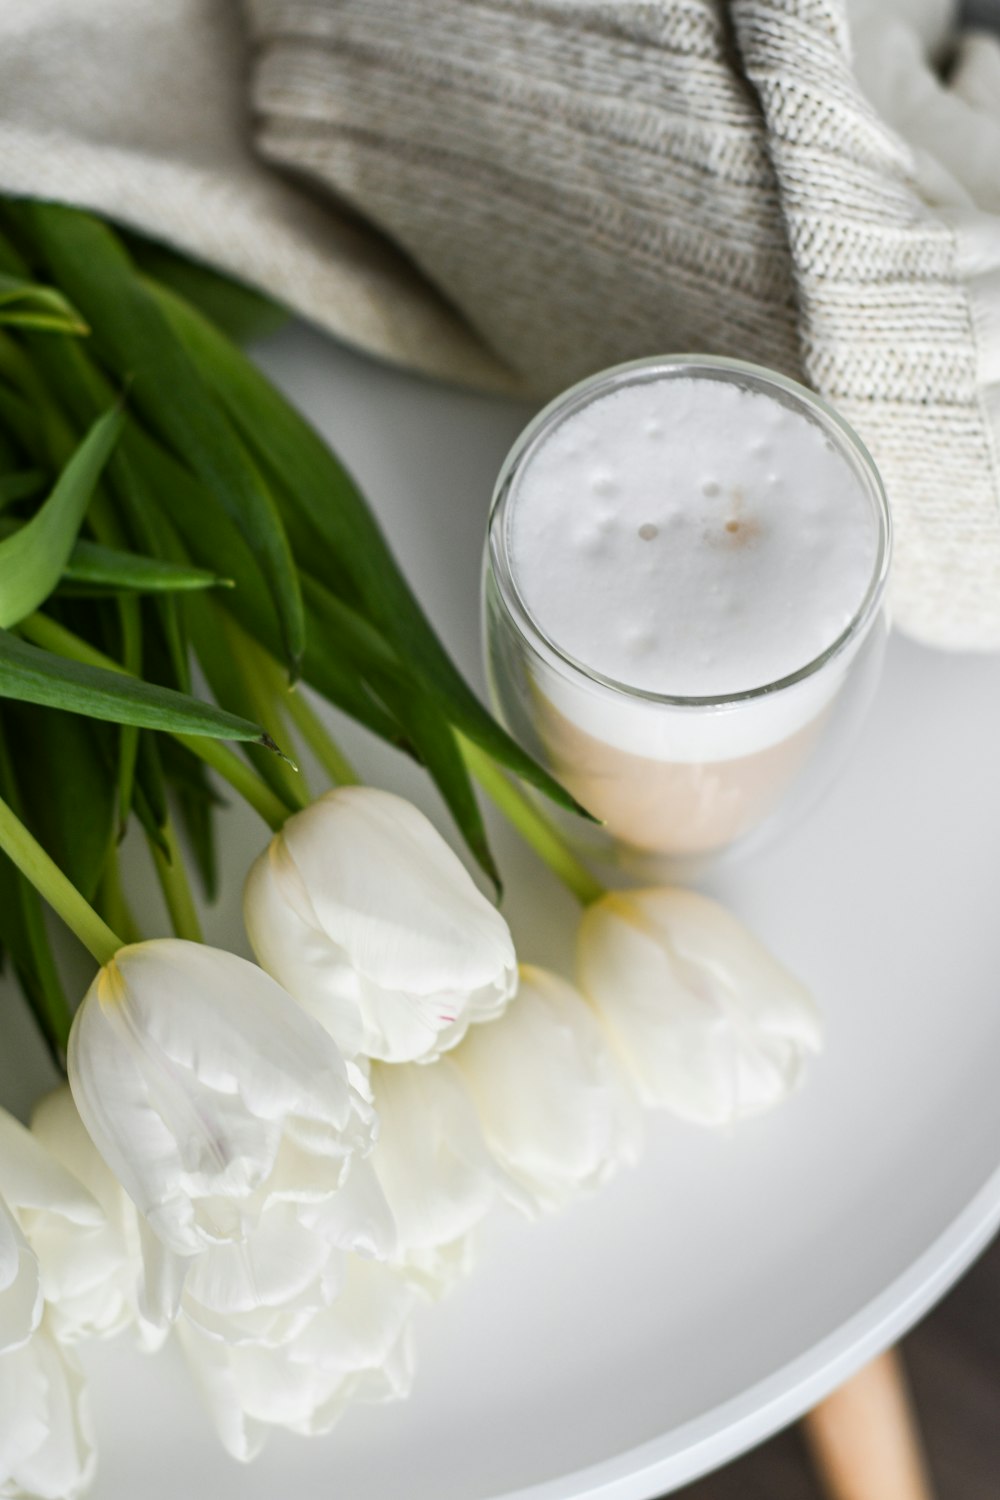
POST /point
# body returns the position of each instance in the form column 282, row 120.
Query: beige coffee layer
column 672, row 807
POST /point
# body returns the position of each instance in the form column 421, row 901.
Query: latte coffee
column 686, row 560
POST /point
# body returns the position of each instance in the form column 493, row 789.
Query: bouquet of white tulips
column 275, row 1163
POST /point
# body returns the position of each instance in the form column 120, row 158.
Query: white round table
column 712, row 1295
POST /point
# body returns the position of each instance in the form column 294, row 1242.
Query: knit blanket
column 515, row 193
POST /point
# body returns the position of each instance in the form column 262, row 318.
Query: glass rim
column 714, row 366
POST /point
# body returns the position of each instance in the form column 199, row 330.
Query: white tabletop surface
column 714, row 1293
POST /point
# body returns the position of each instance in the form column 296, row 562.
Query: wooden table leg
column 864, row 1438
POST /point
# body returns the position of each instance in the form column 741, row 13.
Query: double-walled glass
column 675, row 781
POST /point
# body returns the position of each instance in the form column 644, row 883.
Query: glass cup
column 678, row 780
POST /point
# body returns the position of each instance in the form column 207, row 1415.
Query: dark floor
column 953, row 1360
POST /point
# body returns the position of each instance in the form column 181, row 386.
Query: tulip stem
column 175, row 887
column 48, row 1001
column 242, row 778
column 531, row 823
column 52, row 636
column 319, row 740
column 258, row 672
column 113, row 906
column 314, row 733
column 24, row 851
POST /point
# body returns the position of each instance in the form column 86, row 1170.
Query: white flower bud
column 435, row 1169
column 209, row 1093
column 46, row 1441
column 550, row 1094
column 360, row 909
column 709, row 1024
column 357, row 1349
column 46, row 1434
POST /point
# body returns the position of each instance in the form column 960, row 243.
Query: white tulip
column 113, row 1297
column 550, row 1094
column 435, row 1168
column 21, row 1300
column 710, row 1025
column 210, row 1095
column 292, row 1266
column 46, row 1442
column 46, row 1435
column 287, row 1328
column 79, row 1254
column 251, row 1312
column 359, row 908
column 358, row 1349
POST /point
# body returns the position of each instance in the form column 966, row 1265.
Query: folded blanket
column 516, row 192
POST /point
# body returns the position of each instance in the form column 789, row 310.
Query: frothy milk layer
column 691, row 538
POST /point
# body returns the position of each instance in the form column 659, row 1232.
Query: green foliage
column 34, row 557
column 23, row 304
column 162, row 505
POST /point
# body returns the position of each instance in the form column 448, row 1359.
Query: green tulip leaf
column 435, row 743
column 24, row 304
column 23, row 935
column 196, row 802
column 32, row 560
column 93, row 565
column 310, row 478
column 32, row 675
column 149, row 794
column 20, row 484
column 138, row 342
column 19, row 419
column 240, row 311
column 65, row 770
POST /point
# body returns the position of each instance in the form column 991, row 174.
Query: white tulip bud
column 709, row 1024
column 46, row 1440
column 79, row 1254
column 358, row 1349
column 550, row 1094
column 46, row 1433
column 21, row 1300
column 360, row 909
column 435, row 1169
column 119, row 1297
column 92, row 1276
column 210, row 1095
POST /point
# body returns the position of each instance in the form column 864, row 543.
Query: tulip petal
column 78, row 1256
column 21, row 1301
column 46, row 1435
column 92, row 1279
column 360, row 1348
column 357, row 1217
column 210, row 1363
column 550, row 1095
column 279, row 1262
column 193, row 1071
column 31, row 1178
column 359, row 1333
column 24, row 1404
column 362, row 911
column 432, row 1161
column 709, row 1024
column 163, row 1278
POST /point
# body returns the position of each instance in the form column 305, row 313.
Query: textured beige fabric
column 587, row 182
column 885, row 320
column 138, row 108
column 521, row 191
column 593, row 182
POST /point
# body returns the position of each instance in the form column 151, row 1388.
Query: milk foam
column 691, row 538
